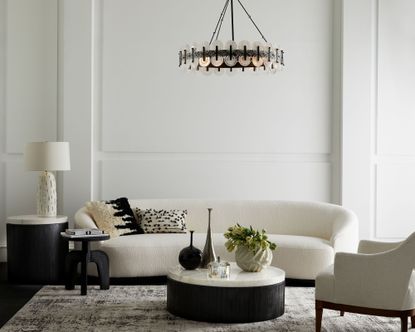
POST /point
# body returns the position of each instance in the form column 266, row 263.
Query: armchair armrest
column 373, row 247
column 372, row 280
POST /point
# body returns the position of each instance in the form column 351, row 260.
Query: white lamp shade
column 47, row 156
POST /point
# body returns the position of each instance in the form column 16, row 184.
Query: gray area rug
column 143, row 308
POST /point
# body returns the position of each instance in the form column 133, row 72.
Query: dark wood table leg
column 100, row 258
column 71, row 263
column 84, row 265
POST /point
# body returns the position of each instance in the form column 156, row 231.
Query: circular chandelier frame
column 213, row 56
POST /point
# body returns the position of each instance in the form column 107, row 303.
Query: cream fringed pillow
column 114, row 217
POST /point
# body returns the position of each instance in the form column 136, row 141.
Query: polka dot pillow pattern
column 161, row 221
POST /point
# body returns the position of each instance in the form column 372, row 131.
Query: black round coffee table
column 245, row 297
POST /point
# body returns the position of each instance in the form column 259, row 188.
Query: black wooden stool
column 85, row 256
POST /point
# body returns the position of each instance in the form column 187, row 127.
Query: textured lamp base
column 46, row 195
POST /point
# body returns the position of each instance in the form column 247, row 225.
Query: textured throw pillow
column 114, row 217
column 161, row 221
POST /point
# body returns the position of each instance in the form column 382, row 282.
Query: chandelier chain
column 246, row 12
column 219, row 23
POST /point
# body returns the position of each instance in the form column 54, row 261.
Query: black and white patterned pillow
column 161, row 221
column 115, row 217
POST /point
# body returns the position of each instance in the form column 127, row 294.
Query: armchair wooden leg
column 342, row 313
column 413, row 321
column 404, row 323
column 319, row 315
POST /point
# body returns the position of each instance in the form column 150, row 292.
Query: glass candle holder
column 219, row 270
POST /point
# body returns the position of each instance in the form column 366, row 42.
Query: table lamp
column 46, row 157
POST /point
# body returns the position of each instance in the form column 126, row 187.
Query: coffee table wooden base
column 225, row 304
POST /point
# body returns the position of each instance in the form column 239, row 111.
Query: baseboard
column 3, row 254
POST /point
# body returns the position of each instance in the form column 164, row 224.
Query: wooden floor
column 13, row 297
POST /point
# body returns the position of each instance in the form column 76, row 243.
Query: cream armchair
column 378, row 280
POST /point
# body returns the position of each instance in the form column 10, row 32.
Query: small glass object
column 219, row 270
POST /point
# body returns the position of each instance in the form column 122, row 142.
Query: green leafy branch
column 243, row 236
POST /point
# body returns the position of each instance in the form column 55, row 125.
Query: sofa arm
column 83, row 219
column 345, row 232
column 373, row 247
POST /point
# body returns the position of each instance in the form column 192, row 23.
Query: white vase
column 46, row 195
column 249, row 261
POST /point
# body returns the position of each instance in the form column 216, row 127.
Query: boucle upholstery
column 307, row 235
column 380, row 276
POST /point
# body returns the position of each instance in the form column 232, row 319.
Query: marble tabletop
column 238, row 278
column 36, row 220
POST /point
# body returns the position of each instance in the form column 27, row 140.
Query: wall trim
column 233, row 156
column 3, row 154
column 336, row 119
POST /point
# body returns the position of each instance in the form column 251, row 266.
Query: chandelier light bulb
column 216, row 59
column 204, row 58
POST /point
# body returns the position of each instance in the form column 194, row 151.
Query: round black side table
column 85, row 256
column 35, row 251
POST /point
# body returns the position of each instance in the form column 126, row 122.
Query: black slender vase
column 190, row 257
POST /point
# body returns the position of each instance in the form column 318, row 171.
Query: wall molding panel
column 394, row 120
column 28, row 98
column 215, row 179
column 76, row 79
column 358, row 86
column 377, row 163
column 123, row 117
column 31, row 80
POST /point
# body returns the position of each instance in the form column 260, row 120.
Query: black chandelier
column 215, row 56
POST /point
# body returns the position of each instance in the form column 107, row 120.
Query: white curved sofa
column 307, row 234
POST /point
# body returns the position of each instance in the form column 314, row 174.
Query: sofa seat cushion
column 301, row 257
column 152, row 254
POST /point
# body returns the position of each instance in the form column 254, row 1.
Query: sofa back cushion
column 161, row 221
column 282, row 217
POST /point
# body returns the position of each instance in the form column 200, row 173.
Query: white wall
column 164, row 133
column 378, row 115
column 78, row 70
column 28, row 98
column 158, row 132
column 395, row 120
